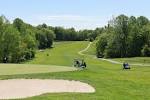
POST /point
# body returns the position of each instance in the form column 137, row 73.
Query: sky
column 80, row 14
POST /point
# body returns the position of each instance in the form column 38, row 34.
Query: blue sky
column 81, row 14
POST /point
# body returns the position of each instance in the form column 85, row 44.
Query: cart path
column 117, row 62
column 108, row 60
column 85, row 49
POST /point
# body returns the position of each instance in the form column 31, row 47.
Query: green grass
column 62, row 54
column 92, row 49
column 109, row 80
column 134, row 60
column 11, row 69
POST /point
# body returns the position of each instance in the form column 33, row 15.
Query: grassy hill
column 62, row 54
column 109, row 80
column 92, row 49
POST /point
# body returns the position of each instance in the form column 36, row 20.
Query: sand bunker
column 23, row 88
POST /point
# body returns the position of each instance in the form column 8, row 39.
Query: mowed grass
column 92, row 49
column 11, row 69
column 134, row 60
column 109, row 80
column 63, row 53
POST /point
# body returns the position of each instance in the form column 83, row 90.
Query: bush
column 101, row 45
column 146, row 51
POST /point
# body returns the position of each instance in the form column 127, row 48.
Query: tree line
column 124, row 37
column 70, row 34
column 19, row 40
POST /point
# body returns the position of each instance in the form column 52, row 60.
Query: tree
column 50, row 37
column 142, row 21
column 19, row 25
column 121, row 31
column 45, row 38
column 59, row 32
column 101, row 45
column 128, row 37
column 9, row 44
column 146, row 51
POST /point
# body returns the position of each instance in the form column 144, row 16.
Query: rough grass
column 109, row 80
column 134, row 60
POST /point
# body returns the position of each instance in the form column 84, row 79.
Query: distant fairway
column 12, row 69
column 62, row 54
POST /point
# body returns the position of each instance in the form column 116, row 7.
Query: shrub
column 146, row 51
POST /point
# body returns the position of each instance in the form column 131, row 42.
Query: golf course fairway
column 108, row 79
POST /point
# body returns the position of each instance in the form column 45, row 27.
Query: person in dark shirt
column 126, row 66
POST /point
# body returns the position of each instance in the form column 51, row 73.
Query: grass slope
column 134, row 60
column 62, row 54
column 109, row 80
column 92, row 49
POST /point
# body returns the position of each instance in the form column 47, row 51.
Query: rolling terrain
column 109, row 80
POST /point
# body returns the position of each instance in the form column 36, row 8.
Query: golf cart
column 79, row 63
column 126, row 66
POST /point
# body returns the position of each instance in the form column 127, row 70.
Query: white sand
column 23, row 88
